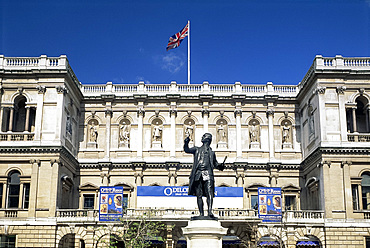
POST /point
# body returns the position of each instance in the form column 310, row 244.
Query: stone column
column 54, row 186
column 1, row 118
column 140, row 115
column 240, row 177
column 325, row 190
column 347, row 189
column 169, row 240
column 172, row 175
column 108, row 116
column 39, row 111
column 342, row 112
column 20, row 202
column 10, row 127
column 173, row 114
column 26, row 126
column 61, row 91
column 354, row 119
column 270, row 115
column 238, row 115
column 205, row 115
column 5, row 187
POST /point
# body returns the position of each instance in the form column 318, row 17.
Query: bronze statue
column 201, row 180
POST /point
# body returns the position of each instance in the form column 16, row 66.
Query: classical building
column 60, row 141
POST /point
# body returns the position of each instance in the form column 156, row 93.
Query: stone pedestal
column 287, row 145
column 204, row 234
column 221, row 145
column 255, row 145
column 92, row 145
column 156, row 145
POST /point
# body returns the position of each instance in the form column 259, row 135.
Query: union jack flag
column 176, row 39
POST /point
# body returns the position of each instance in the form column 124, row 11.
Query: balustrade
column 358, row 137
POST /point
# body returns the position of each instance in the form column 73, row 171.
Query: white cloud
column 140, row 78
column 172, row 62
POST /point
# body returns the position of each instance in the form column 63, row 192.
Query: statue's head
column 207, row 138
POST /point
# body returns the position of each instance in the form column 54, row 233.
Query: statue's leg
column 199, row 194
column 209, row 194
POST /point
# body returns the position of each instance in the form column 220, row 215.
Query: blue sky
column 125, row 41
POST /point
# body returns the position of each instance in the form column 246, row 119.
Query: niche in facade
column 124, row 133
column 157, row 131
column 93, row 133
column 254, row 134
column 222, row 133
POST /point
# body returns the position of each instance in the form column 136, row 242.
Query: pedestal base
column 204, row 234
column 156, row 145
column 255, row 145
column 221, row 144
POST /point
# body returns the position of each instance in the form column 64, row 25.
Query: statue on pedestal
column 202, row 182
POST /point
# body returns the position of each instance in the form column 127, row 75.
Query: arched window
column 358, row 116
column 13, row 189
column 365, row 185
column 19, row 117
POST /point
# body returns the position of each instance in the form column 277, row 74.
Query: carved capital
column 41, row 89
column 238, row 112
column 270, row 112
column 205, row 112
column 346, row 163
column 141, row 112
column 341, row 89
column 108, row 112
column 61, row 89
column 321, row 90
column 173, row 112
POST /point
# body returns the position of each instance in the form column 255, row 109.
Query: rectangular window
column 355, row 199
column 125, row 200
column 290, row 202
column 1, row 195
column 254, row 202
column 26, row 195
column 7, row 241
column 13, row 199
column 89, row 201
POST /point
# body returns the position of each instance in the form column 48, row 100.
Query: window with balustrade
column 13, row 189
column 365, row 188
column 357, row 114
column 89, row 200
column 18, row 118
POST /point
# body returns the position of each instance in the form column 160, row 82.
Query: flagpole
column 188, row 51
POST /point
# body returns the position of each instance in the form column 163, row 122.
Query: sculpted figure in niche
column 254, row 131
column 124, row 133
column 157, row 131
column 93, row 131
column 286, row 132
column 189, row 129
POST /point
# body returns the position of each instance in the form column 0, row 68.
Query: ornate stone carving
column 108, row 112
column 321, row 90
column 341, row 89
column 286, row 131
column 141, row 112
column 205, row 112
column 124, row 133
column 238, row 112
column 254, row 134
column 222, row 133
column 157, row 130
column 189, row 129
column 270, row 112
column 61, row 89
column 41, row 89
column 173, row 112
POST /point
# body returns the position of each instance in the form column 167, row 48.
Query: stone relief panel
column 124, row 133
column 254, row 134
column 92, row 133
column 189, row 130
column 286, row 133
column 222, row 133
column 157, row 130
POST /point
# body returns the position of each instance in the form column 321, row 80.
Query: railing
column 303, row 215
column 205, row 88
column 11, row 213
column 13, row 136
column 366, row 213
column 357, row 137
column 68, row 215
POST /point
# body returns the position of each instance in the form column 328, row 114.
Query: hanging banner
column 269, row 204
column 110, row 203
column 177, row 197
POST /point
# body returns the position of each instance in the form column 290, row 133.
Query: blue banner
column 110, row 203
column 182, row 191
column 269, row 204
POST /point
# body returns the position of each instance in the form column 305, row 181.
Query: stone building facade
column 61, row 140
